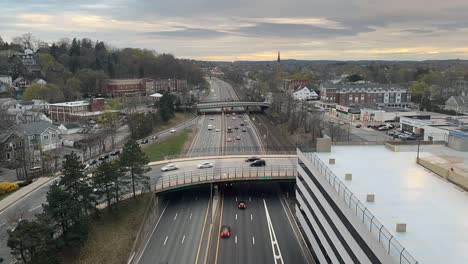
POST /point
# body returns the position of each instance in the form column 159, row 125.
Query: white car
column 169, row 167
column 211, row 118
column 217, row 130
column 173, row 130
column 205, row 165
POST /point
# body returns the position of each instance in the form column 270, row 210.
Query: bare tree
column 28, row 41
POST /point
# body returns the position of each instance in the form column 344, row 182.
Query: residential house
column 20, row 116
column 458, row 104
column 6, row 80
column 20, row 84
column 41, row 136
column 68, row 129
column 12, row 145
column 305, row 94
column 36, row 105
column 8, row 103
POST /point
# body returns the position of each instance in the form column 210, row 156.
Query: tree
column 418, row 89
column 28, row 41
column 32, row 242
column 71, row 89
column 135, row 161
column 107, row 181
column 110, row 118
column 48, row 92
column 166, row 106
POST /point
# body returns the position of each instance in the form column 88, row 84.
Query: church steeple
column 279, row 58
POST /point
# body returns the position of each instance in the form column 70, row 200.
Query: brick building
column 368, row 94
column 291, row 85
column 76, row 111
column 125, row 87
column 170, row 85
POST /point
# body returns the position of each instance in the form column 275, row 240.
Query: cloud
column 198, row 33
column 418, row 31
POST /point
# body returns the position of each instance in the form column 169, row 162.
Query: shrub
column 24, row 183
column 7, row 187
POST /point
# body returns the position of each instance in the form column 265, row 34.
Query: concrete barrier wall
column 391, row 147
column 447, row 171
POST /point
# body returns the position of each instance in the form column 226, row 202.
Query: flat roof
column 75, row 103
column 435, row 211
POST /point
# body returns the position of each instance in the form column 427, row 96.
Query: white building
column 6, row 79
column 305, row 94
column 377, row 115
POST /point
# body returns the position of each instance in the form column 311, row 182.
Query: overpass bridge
column 231, row 104
column 227, row 174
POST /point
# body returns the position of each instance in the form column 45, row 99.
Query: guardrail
column 377, row 229
column 201, row 176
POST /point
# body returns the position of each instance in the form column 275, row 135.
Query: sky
column 232, row 30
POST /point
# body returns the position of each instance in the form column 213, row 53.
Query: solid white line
column 175, row 217
column 236, row 216
column 190, row 216
column 235, row 240
column 236, row 198
column 274, row 242
column 37, row 207
column 250, row 199
column 183, row 239
column 253, row 240
column 165, row 240
column 251, row 217
column 152, row 232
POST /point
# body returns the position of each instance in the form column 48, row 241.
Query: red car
column 238, row 137
column 241, row 205
column 229, row 139
column 225, row 231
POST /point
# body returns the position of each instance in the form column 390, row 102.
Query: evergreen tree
column 107, row 181
column 134, row 160
column 32, row 242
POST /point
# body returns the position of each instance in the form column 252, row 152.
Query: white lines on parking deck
column 37, row 207
column 165, row 240
column 251, row 217
column 183, row 239
column 274, row 243
column 235, row 240
column 190, row 216
column 236, row 216
column 253, row 240
column 175, row 217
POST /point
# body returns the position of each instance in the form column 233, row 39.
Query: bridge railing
column 171, row 181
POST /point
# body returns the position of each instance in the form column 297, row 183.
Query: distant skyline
column 226, row 30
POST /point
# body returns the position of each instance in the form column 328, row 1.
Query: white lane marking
column 253, row 240
column 274, row 242
column 175, row 217
column 235, row 240
column 251, row 217
column 236, row 216
column 236, row 198
column 190, row 216
column 183, row 239
column 165, row 240
column 250, row 199
column 37, row 207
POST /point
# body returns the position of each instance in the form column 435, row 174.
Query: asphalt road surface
column 255, row 228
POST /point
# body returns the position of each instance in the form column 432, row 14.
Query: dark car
column 104, row 157
column 225, row 231
column 252, row 159
column 241, row 205
column 244, row 129
column 236, row 127
column 144, row 141
column 241, row 124
column 258, row 163
column 115, row 152
column 92, row 162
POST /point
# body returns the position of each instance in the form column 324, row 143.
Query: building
column 125, row 87
column 21, row 116
column 6, row 80
column 305, row 94
column 11, row 145
column 368, row 94
column 36, row 105
column 8, row 103
column 170, row 85
column 41, row 136
column 378, row 115
column 28, row 60
column 290, row 85
column 368, row 204
column 76, row 111
column 20, row 85
column 458, row 104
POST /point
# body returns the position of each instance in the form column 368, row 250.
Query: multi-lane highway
column 262, row 232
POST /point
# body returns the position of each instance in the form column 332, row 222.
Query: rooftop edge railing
column 224, row 174
column 377, row 229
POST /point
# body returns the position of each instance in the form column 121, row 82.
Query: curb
column 153, row 163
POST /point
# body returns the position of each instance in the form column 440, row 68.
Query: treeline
column 72, row 202
column 77, row 66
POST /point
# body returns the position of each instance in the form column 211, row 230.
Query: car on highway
column 92, row 162
column 244, row 129
column 211, row 118
column 358, row 125
column 225, row 231
column 227, row 115
column 236, row 127
column 241, row 124
column 229, row 130
column 245, row 120
column 217, row 130
column 258, row 163
column 115, row 152
column 252, row 159
column 205, row 165
column 233, row 118
column 104, row 157
column 173, row 130
column 238, row 138
column 233, row 114
column 241, row 205
column 210, row 127
column 229, row 139
column 145, row 141
column 154, row 137
column 169, row 167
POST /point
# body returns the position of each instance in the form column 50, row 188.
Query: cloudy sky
column 253, row 29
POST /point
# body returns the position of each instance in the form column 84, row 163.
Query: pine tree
column 134, row 160
column 107, row 181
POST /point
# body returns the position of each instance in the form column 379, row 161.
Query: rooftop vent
column 401, row 228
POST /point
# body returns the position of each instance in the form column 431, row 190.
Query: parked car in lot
column 258, row 163
column 169, row 167
column 104, row 157
column 358, row 125
column 205, row 165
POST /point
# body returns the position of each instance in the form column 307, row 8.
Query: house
column 458, row 104
column 305, row 94
column 8, row 103
column 35, row 105
column 20, row 84
column 41, row 136
column 68, row 129
column 6, row 80
column 20, row 116
column 11, row 145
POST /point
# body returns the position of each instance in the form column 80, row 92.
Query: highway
column 251, row 240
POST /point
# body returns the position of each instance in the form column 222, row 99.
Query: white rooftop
column 435, row 211
column 75, row 103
